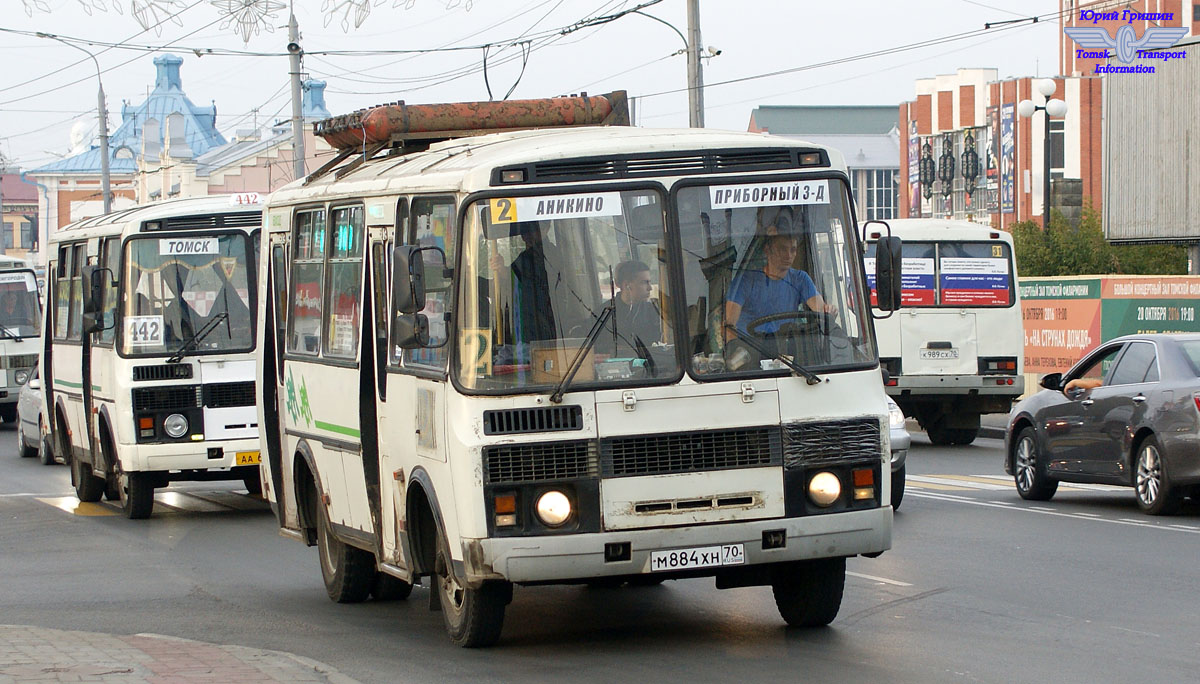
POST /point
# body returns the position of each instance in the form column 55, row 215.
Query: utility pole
column 294, row 51
column 105, row 189
column 695, row 70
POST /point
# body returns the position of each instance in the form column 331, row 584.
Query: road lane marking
column 74, row 506
column 1049, row 511
column 933, row 485
column 1186, row 527
column 873, row 578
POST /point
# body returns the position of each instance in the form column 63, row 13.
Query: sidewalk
column 36, row 654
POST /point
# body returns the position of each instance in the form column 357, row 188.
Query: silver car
column 901, row 440
column 29, row 418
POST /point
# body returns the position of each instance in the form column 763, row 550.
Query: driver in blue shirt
column 775, row 289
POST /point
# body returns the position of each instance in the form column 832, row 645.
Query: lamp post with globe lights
column 1053, row 107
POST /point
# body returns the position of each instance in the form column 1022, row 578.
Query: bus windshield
column 19, row 309
column 770, row 276
column 540, row 271
column 174, row 286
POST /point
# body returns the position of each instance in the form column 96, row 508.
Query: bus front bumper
column 204, row 456
column 581, row 556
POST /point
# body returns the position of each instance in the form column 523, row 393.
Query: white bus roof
column 942, row 229
column 190, row 206
column 465, row 164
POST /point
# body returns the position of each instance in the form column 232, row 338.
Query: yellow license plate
column 247, row 458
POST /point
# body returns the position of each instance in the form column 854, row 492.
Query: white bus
column 20, row 327
column 148, row 366
column 503, row 359
column 955, row 349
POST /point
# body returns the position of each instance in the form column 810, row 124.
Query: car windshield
column 20, row 313
column 174, row 286
column 540, row 271
column 771, row 271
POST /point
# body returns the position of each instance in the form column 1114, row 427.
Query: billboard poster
column 917, row 287
column 991, row 170
column 1061, row 318
column 914, row 170
column 1149, row 304
column 1007, row 146
column 975, row 282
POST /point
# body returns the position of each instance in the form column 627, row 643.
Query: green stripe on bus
column 65, row 383
column 340, row 429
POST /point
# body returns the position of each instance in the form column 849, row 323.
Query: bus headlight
column 175, row 425
column 895, row 415
column 21, row 376
column 553, row 508
column 824, row 488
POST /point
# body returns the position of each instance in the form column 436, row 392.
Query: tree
column 1082, row 250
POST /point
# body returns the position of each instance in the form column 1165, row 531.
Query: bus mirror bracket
column 93, row 301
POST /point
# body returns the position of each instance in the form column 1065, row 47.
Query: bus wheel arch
column 307, row 491
column 108, row 448
column 422, row 524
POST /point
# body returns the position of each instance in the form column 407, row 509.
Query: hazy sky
column 40, row 99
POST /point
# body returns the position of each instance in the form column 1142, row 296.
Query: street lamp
column 1055, row 108
column 104, row 180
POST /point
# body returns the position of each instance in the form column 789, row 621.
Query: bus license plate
column 935, row 354
column 247, row 458
column 700, row 557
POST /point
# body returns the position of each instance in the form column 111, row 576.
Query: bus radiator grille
column 172, row 398
column 229, row 394
column 540, row 461
column 829, row 441
column 688, row 452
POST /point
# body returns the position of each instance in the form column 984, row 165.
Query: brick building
column 974, row 109
column 18, row 215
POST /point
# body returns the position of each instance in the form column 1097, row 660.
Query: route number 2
column 503, row 210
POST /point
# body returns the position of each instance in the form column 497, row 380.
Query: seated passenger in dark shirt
column 636, row 320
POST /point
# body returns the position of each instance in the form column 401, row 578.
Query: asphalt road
column 979, row 586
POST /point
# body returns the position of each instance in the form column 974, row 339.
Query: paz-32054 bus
column 148, row 366
column 510, row 359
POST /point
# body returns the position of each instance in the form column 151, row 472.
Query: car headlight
column 21, row 376
column 824, row 488
column 895, row 415
column 175, row 425
column 553, row 508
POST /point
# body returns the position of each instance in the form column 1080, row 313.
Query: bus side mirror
column 887, row 272
column 410, row 331
column 408, row 279
column 94, row 279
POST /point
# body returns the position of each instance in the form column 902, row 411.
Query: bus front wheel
column 809, row 593
column 473, row 616
column 136, row 494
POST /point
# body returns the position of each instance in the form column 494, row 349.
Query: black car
column 1134, row 422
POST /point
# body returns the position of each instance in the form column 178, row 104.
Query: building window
column 1196, row 12
column 1057, row 148
column 880, row 194
column 9, row 229
column 27, row 235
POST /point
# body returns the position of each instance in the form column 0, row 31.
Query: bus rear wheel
column 349, row 573
column 473, row 616
column 809, row 593
column 88, row 487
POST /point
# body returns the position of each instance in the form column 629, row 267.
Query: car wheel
column 897, row 487
column 473, row 616
column 1155, row 493
column 46, row 452
column 23, row 444
column 136, row 494
column 809, row 593
column 8, row 413
column 349, row 573
column 1029, row 474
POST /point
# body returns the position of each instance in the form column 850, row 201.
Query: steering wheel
column 807, row 322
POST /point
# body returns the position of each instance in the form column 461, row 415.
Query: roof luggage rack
column 406, row 128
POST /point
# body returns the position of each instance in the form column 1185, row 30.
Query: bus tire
column 962, row 436
column 473, row 616
column 88, row 487
column 349, row 573
column 388, row 588
column 136, row 493
column 809, row 593
column 253, row 484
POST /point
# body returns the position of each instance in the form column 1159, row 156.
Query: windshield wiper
column 809, row 376
column 6, row 332
column 588, row 343
column 200, row 334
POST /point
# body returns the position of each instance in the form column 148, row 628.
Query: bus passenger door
column 274, row 333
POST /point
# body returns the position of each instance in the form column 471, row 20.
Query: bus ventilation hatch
column 172, row 371
column 538, row 419
column 666, row 164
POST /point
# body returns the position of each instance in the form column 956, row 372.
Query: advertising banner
column 914, row 170
column 974, row 281
column 991, row 137
column 1062, row 321
column 1007, row 147
column 1149, row 304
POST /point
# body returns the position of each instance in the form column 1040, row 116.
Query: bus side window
column 109, row 258
column 345, row 282
column 75, row 324
column 433, row 226
column 307, row 280
column 62, row 292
